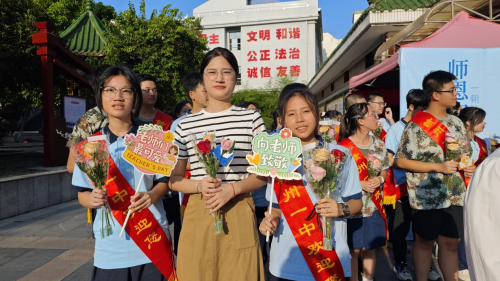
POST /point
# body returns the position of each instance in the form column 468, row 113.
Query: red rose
column 204, row 146
column 338, row 155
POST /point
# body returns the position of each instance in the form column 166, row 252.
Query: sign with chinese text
column 475, row 69
column 276, row 155
column 151, row 151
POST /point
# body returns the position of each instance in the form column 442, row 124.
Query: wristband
column 234, row 192
column 382, row 180
column 197, row 189
column 345, row 209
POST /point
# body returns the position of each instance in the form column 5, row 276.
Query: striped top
column 236, row 123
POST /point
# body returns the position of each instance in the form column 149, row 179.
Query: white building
column 270, row 38
column 329, row 43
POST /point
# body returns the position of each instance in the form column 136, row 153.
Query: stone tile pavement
column 56, row 243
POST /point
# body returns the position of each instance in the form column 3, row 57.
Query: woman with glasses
column 366, row 230
column 234, row 253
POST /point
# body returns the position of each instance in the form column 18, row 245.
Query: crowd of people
column 418, row 187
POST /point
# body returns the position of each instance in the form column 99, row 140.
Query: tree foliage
column 167, row 46
column 266, row 97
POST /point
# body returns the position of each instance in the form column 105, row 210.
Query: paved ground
column 55, row 244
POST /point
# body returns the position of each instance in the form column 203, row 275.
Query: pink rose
column 226, row 144
column 376, row 164
column 310, row 164
column 331, row 133
column 129, row 138
column 273, row 173
column 463, row 142
column 318, row 173
column 450, row 139
column 371, row 157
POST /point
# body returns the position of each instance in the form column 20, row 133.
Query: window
column 346, row 76
column 332, row 86
column 369, row 60
column 234, row 40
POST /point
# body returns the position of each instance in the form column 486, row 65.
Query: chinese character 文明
column 294, row 70
column 324, row 264
column 265, row 34
column 265, row 72
column 251, row 36
column 461, row 90
column 281, row 71
column 315, row 248
column 119, row 196
column 252, row 56
column 292, row 191
column 280, row 54
column 294, row 54
column 252, row 72
column 142, row 225
column 213, row 39
column 307, row 229
column 458, row 67
column 152, row 238
column 265, row 55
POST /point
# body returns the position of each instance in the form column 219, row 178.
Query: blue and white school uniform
column 286, row 259
column 113, row 252
column 392, row 141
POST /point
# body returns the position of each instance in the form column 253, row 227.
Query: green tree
column 166, row 45
column 266, row 97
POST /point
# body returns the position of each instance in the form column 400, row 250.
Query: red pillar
column 45, row 39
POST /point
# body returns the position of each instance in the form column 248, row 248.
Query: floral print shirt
column 376, row 147
column 429, row 191
column 90, row 123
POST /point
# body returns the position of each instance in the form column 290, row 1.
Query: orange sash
column 362, row 164
column 295, row 205
column 142, row 226
column 483, row 150
column 162, row 119
column 436, row 131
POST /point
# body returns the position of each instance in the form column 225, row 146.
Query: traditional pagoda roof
column 85, row 36
column 389, row 5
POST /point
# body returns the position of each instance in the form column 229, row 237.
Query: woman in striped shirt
column 233, row 254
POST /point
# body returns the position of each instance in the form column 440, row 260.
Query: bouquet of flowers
column 327, row 130
column 322, row 170
column 456, row 151
column 92, row 157
column 378, row 131
column 212, row 156
column 374, row 169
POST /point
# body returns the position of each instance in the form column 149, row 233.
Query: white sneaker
column 433, row 275
column 463, row 275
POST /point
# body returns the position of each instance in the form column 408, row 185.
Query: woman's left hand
column 328, row 207
column 219, row 198
column 142, row 200
column 374, row 182
column 469, row 171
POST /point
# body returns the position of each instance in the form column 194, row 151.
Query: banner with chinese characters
column 151, row 151
column 476, row 71
column 276, row 155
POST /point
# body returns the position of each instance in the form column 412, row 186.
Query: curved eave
column 85, row 36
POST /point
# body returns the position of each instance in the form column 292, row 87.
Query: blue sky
column 337, row 14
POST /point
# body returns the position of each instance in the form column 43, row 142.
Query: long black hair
column 350, row 124
column 474, row 115
column 102, row 77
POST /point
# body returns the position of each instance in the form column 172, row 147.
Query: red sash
column 483, row 150
column 393, row 192
column 296, row 205
column 162, row 119
column 142, row 226
column 362, row 164
column 383, row 134
column 436, row 131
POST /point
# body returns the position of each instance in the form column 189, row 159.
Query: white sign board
column 74, row 108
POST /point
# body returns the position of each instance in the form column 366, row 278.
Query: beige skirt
column 233, row 254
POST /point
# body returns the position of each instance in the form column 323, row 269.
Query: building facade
column 270, row 38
